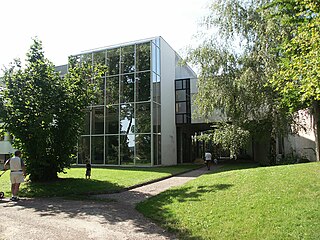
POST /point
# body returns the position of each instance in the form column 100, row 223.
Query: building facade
column 134, row 122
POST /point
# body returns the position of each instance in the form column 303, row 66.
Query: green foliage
column 297, row 79
column 279, row 202
column 229, row 137
column 236, row 61
column 45, row 111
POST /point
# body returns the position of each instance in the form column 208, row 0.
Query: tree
column 44, row 111
column 297, row 79
column 236, row 59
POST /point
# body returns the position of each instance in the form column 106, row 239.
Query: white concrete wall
column 168, row 127
column 302, row 143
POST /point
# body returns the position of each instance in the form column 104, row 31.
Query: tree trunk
column 316, row 127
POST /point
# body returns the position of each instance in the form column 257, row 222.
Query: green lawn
column 103, row 180
column 281, row 202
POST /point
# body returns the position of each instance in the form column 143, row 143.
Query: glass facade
column 123, row 128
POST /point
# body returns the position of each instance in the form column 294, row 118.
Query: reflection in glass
column 127, row 120
column 156, row 117
column 86, row 59
column 99, row 58
column 112, row 119
column 143, row 88
column 156, row 88
column 112, row 90
column 154, row 58
column 112, row 149
column 143, row 56
column 113, row 60
column 83, row 150
column 181, row 107
column 97, row 150
column 86, row 124
column 127, row 143
column 143, row 118
column 156, row 149
column 127, row 88
column 100, row 97
column 181, row 95
column 98, row 120
column 127, row 59
column 143, row 149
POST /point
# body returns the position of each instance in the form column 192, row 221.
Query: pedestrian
column 208, row 157
column 18, row 172
column 88, row 170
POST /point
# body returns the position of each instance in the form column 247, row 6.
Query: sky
column 68, row 27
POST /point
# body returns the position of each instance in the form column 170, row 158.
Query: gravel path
column 55, row 218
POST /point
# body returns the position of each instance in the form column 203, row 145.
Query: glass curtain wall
column 123, row 127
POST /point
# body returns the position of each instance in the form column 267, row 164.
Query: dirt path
column 39, row 219
column 55, row 218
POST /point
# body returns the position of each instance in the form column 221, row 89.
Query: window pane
column 113, row 60
column 158, row 60
column 112, row 149
column 127, row 59
column 99, row 58
column 143, row 118
column 127, row 149
column 86, row 125
column 143, row 149
column 156, row 117
column 100, row 100
column 181, row 95
column 112, row 119
column 178, row 84
column 156, row 149
column 97, row 120
column 86, row 59
column 112, row 90
column 127, row 120
column 84, row 150
column 143, row 56
column 179, row 118
column 143, row 86
column 97, row 149
column 127, row 88
column 154, row 58
column 181, row 107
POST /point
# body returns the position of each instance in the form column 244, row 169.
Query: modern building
column 144, row 115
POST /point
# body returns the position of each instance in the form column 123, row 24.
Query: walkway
column 136, row 195
column 55, row 218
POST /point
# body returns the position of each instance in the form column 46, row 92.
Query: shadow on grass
column 65, row 187
column 155, row 207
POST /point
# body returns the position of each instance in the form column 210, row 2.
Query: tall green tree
column 297, row 79
column 44, row 111
column 236, row 59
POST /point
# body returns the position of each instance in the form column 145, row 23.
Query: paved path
column 133, row 196
column 54, row 218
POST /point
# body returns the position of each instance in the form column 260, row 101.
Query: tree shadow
column 68, row 187
column 106, row 215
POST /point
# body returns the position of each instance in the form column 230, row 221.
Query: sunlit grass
column 103, row 180
column 281, row 202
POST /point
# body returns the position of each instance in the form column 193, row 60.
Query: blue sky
column 68, row 27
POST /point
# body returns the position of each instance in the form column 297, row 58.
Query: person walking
column 208, row 158
column 18, row 171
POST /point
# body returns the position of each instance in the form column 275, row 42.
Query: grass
column 103, row 180
column 281, row 202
